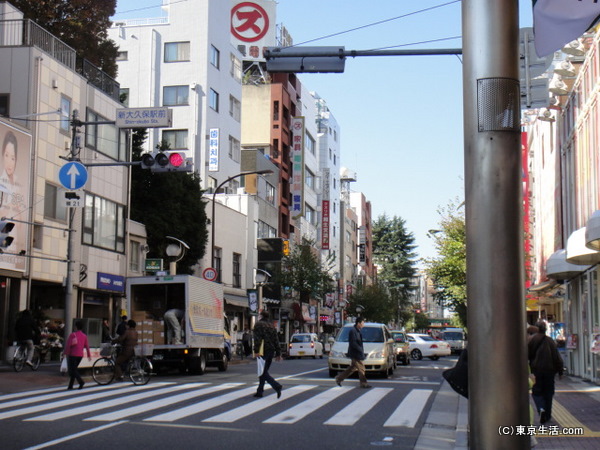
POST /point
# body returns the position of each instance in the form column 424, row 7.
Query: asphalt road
column 217, row 410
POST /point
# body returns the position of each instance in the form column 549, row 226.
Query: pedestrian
column 73, row 351
column 27, row 333
column 545, row 362
column 128, row 341
column 266, row 345
column 122, row 327
column 173, row 320
column 247, row 342
column 356, row 353
column 106, row 331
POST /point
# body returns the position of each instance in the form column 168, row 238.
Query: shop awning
column 543, row 286
column 236, row 300
column 592, row 231
column 558, row 268
column 578, row 253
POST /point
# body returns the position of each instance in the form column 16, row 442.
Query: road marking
column 568, row 420
column 359, row 407
column 258, row 405
column 110, row 403
column 303, row 409
column 408, row 412
column 176, row 414
column 301, row 373
column 162, row 402
column 71, row 401
column 432, row 383
column 75, row 436
column 30, row 393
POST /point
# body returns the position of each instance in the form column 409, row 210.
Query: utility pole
column 498, row 392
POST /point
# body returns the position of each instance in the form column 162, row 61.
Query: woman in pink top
column 76, row 342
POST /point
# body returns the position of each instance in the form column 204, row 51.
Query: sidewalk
column 576, row 405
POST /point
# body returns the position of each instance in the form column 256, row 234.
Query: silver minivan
column 378, row 345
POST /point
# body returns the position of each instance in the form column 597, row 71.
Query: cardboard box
column 158, row 325
column 158, row 337
column 139, row 315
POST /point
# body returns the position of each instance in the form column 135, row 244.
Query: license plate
column 301, row 353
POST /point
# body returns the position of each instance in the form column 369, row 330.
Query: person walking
column 128, row 341
column 356, row 353
column 73, row 351
column 27, row 332
column 545, row 362
column 265, row 337
column 106, row 331
column 122, row 327
column 247, row 342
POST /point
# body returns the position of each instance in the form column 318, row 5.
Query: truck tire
column 198, row 364
column 222, row 366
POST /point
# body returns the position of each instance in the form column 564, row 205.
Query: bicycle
column 20, row 356
column 139, row 368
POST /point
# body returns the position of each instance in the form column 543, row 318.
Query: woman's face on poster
column 9, row 157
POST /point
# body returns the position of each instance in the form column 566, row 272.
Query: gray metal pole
column 498, row 394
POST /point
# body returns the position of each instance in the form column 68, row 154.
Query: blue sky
column 400, row 116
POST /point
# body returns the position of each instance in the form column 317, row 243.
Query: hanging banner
column 297, row 158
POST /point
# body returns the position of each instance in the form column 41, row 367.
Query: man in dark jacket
column 356, row 353
column 545, row 363
column 26, row 332
column 265, row 335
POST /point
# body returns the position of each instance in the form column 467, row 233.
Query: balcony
column 26, row 33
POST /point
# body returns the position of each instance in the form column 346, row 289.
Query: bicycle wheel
column 19, row 358
column 140, row 370
column 36, row 360
column 103, row 370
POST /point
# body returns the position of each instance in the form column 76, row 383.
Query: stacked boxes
column 149, row 331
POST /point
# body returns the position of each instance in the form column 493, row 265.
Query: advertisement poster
column 14, row 191
column 595, row 348
column 572, row 341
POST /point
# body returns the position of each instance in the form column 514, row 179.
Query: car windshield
column 399, row 337
column 304, row 338
column 453, row 336
column 426, row 338
column 369, row 334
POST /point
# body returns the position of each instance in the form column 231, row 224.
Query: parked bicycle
column 139, row 368
column 20, row 356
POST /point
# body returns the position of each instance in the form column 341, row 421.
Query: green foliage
column 82, row 24
column 376, row 302
column 420, row 322
column 449, row 270
column 303, row 272
column 169, row 204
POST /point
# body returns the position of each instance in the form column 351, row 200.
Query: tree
column 448, row 271
column 394, row 254
column 375, row 301
column 303, row 272
column 81, row 24
column 169, row 204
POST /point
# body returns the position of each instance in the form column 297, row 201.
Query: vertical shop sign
column 213, row 150
column 297, row 157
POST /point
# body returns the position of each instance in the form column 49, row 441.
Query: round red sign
column 209, row 274
column 249, row 22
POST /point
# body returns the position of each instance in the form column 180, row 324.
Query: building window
column 235, row 108
column 177, row 51
column 236, row 68
column 217, row 263
column 104, row 138
column 270, row 194
column 215, row 56
column 176, row 139
column 335, row 135
column 213, row 100
column 237, row 274
column 103, row 223
column 309, row 178
column 121, row 56
column 38, row 236
column 54, row 207
column 135, row 256
column 124, row 96
column 309, row 214
column 309, row 143
column 4, row 102
column 176, row 95
column 234, row 149
column 65, row 113
column 334, row 159
column 264, row 230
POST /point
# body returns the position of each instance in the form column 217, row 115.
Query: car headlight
column 336, row 354
column 376, row 355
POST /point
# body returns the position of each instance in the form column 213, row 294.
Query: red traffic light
column 176, row 159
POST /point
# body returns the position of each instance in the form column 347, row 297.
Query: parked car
column 305, row 344
column 423, row 345
column 378, row 345
column 402, row 347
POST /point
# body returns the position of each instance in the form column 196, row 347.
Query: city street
column 218, row 410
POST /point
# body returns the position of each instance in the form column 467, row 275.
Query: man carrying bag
column 266, row 346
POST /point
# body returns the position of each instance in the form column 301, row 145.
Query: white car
column 305, row 344
column 423, row 345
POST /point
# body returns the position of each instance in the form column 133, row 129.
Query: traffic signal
column 5, row 228
column 167, row 162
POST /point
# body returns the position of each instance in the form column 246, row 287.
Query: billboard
column 297, row 157
column 15, row 190
column 253, row 27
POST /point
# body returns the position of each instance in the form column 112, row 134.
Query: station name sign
column 144, row 117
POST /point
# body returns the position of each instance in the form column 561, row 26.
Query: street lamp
column 212, row 219
column 176, row 251
column 261, row 278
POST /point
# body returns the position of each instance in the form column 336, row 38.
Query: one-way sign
column 73, row 175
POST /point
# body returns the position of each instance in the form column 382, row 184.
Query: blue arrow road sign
column 73, row 175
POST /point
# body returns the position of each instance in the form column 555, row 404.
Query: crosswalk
column 167, row 402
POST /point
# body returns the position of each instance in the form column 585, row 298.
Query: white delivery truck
column 205, row 341
column 456, row 337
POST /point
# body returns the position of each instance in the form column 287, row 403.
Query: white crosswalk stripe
column 347, row 408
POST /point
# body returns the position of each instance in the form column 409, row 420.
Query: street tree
column 375, row 302
column 81, row 24
column 169, row 204
column 395, row 256
column 448, row 270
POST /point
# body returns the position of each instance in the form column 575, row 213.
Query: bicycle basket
column 105, row 349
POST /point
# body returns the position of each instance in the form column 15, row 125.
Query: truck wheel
column 222, row 366
column 198, row 364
